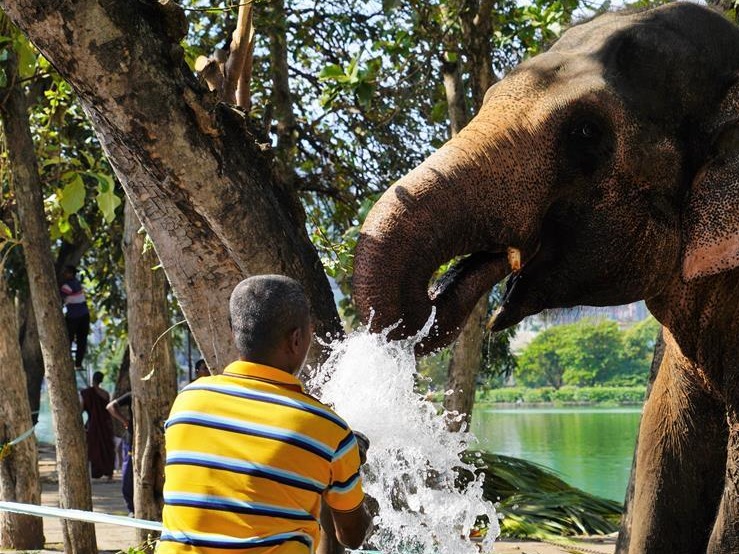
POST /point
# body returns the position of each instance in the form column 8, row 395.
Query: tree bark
column 33, row 361
column 464, row 367
column 466, row 359
column 74, row 478
column 452, row 78
column 197, row 177
column 19, row 479
column 477, row 32
column 152, row 369
column 281, row 95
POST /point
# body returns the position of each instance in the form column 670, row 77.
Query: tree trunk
column 464, row 367
column 477, row 33
column 74, row 478
column 281, row 96
column 19, row 479
column 452, row 78
column 152, row 369
column 466, row 359
column 33, row 361
column 197, row 177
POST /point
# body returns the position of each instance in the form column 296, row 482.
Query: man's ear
column 711, row 217
column 296, row 339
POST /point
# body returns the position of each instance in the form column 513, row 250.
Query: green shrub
column 566, row 395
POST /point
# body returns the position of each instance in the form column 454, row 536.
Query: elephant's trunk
column 454, row 204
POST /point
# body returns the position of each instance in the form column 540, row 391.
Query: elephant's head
column 610, row 164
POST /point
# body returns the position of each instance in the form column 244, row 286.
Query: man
column 77, row 315
column 250, row 456
column 99, row 429
column 126, row 419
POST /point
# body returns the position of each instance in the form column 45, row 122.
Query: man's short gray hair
column 264, row 308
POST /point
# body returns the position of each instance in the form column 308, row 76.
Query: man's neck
column 269, row 360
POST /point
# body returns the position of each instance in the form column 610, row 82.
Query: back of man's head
column 264, row 310
column 97, row 377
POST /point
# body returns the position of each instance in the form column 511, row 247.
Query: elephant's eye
column 586, row 143
column 584, row 130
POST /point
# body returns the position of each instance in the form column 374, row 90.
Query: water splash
column 411, row 463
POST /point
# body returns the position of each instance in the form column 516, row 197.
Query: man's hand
column 363, row 443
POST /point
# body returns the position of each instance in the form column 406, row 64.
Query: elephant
column 600, row 172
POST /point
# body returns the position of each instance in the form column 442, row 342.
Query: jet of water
column 413, row 460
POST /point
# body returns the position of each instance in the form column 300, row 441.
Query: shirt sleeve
column 344, row 492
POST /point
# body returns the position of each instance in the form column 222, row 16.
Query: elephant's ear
column 711, row 221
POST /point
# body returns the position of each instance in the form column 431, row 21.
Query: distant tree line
column 587, row 353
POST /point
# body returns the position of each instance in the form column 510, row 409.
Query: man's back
column 248, row 457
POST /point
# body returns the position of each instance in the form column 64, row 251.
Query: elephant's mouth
column 478, row 273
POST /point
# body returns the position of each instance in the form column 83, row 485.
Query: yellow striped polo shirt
column 249, row 456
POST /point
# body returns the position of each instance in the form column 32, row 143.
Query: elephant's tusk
column 514, row 258
column 489, row 324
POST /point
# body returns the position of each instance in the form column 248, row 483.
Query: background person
column 116, row 408
column 99, row 429
column 77, row 314
column 251, row 456
column 201, row 369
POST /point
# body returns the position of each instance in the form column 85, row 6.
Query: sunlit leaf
column 26, row 57
column 73, row 195
column 331, row 71
column 63, row 225
column 107, row 199
column 5, row 231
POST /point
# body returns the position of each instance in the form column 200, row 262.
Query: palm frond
column 535, row 502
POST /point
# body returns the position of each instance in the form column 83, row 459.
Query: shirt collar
column 262, row 372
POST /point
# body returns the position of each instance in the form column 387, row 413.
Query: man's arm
column 352, row 527
column 112, row 408
column 349, row 525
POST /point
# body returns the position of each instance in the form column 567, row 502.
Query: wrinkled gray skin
column 612, row 163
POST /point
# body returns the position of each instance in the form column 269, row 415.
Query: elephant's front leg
column 725, row 536
column 680, row 462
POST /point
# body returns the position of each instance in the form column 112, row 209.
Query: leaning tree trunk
column 152, row 368
column 19, row 479
column 71, row 450
column 199, row 180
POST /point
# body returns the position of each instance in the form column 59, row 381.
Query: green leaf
column 5, row 231
column 3, row 78
column 64, row 226
column 106, row 198
column 73, row 195
column 331, row 71
column 26, row 57
column 364, row 93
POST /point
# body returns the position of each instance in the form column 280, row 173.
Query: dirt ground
column 107, row 498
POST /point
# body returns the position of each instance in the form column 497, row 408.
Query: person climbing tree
column 77, row 315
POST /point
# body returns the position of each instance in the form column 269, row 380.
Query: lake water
column 590, row 448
